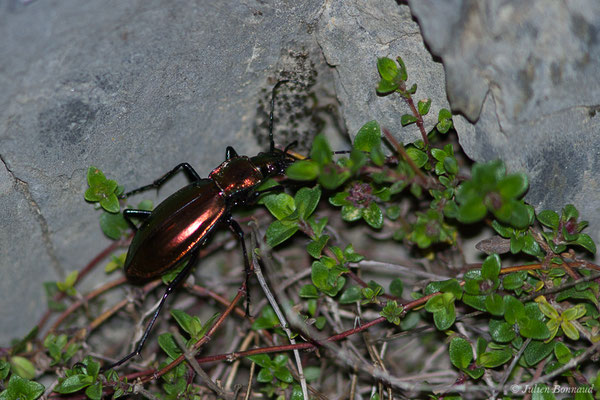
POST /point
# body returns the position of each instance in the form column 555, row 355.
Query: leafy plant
column 527, row 315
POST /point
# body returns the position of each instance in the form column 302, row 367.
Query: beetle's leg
column 174, row 283
column 230, row 153
column 189, row 170
column 140, row 214
column 237, row 230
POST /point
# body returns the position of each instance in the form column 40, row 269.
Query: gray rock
column 353, row 34
column 133, row 88
column 526, row 75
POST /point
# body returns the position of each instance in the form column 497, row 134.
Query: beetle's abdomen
column 236, row 175
column 179, row 224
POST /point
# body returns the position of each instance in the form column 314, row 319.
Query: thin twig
column 500, row 387
column 189, row 357
column 280, row 316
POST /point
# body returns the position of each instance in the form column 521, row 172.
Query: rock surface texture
column 137, row 87
column 526, row 75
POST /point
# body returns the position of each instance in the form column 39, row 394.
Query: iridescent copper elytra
column 182, row 223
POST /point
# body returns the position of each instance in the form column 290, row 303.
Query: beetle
column 183, row 222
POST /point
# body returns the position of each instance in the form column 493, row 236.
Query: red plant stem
column 89, row 267
column 420, row 125
column 81, row 302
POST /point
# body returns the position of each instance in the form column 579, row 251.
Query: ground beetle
column 184, row 221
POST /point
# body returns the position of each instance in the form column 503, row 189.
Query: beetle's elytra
column 184, row 221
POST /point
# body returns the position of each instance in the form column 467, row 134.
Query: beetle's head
column 274, row 162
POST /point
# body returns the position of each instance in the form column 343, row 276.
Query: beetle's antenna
column 272, row 146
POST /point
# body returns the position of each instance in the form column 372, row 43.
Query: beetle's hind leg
column 237, row 230
column 189, row 170
column 174, row 283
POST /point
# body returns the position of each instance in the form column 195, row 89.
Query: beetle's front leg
column 189, row 170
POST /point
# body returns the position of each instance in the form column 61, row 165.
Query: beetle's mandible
column 184, row 221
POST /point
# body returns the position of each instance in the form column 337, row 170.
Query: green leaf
column 267, row 320
column 549, row 218
column 94, row 392
column 95, row 177
column 283, row 374
column 384, row 87
column 169, row 346
column 438, row 154
column 392, row 312
column 586, row 242
column 113, row 225
column 303, row 170
column 494, row 303
column 562, row 353
column 536, row 351
column 350, row 295
column 373, row 215
column 444, row 126
column 183, row 319
column 111, row 203
column 514, row 280
column 402, row 74
column 514, row 309
column 533, row 328
column 461, row 353
column 574, row 312
column 321, row 152
column 312, row 373
column 501, row 331
column 396, row 287
column 513, row 186
column 306, row 200
column 350, row 213
column 21, row 389
column 22, row 367
column 262, row 360
column 309, row 292
column 280, row 205
column 472, row 210
column 451, row 165
column 407, row 119
column 280, row 231
column 419, row 157
column 315, row 247
column 368, row 137
column 570, row 212
column 491, row 267
column 387, row 68
column 423, row 106
column 477, row 302
column 74, row 383
column 570, row 330
column 445, row 318
column 444, row 114
column 297, row 393
column 4, row 369
column 494, row 358
column 115, row 263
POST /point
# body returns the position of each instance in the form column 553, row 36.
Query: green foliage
column 21, row 389
column 83, row 375
column 491, row 189
column 104, row 191
column 59, row 348
column 273, row 372
column 67, row 286
column 421, row 195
